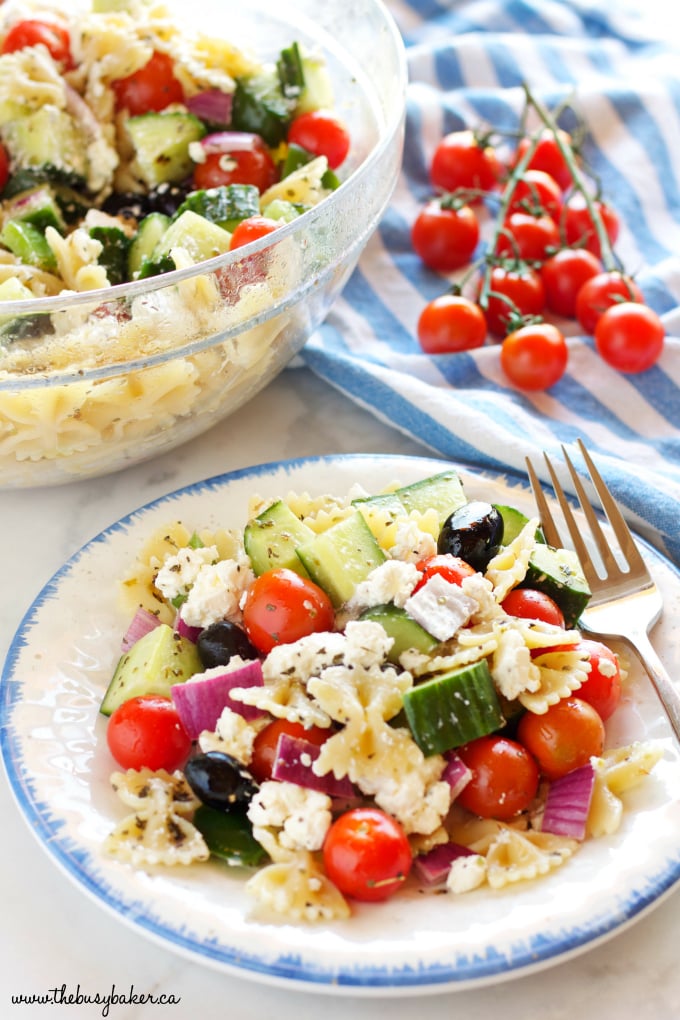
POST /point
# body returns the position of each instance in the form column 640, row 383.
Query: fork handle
column 668, row 693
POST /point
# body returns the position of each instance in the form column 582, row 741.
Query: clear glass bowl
column 129, row 372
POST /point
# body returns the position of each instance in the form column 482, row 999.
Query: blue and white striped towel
column 467, row 61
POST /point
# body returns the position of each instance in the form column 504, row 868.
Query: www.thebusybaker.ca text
column 64, row 997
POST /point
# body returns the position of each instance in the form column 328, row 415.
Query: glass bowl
column 123, row 374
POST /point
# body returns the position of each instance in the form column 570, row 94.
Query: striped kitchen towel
column 467, row 64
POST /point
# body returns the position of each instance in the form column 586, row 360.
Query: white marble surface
column 52, row 935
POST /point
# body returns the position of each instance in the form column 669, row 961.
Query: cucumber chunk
column 226, row 205
column 260, row 106
column 513, row 522
column 196, row 235
column 114, row 254
column 161, row 142
column 406, row 632
column 29, row 245
column 158, row 660
column 37, row 206
column 558, row 573
column 149, row 233
column 442, row 492
column 47, row 138
column 341, row 557
column 448, row 711
column 12, row 327
column 272, row 538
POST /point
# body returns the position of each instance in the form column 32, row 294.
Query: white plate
column 54, row 749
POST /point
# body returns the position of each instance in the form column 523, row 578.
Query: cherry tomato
column 579, row 228
column 548, row 156
column 504, row 777
column 252, row 229
column 536, row 192
column 253, row 165
column 451, row 323
column 534, row 357
column 452, row 568
column 33, row 32
column 563, row 275
column 281, row 607
column 444, row 237
column 151, row 88
column 528, row 237
column 529, row 604
column 4, row 167
column 600, row 293
column 461, row 160
column 146, row 732
column 512, row 293
column 266, row 743
column 565, row 737
column 630, row 337
column 602, row 687
column 322, row 133
column 366, row 854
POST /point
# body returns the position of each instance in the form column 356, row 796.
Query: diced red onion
column 200, row 701
column 293, row 764
column 142, row 623
column 185, row 629
column 456, row 773
column 212, row 105
column 230, row 141
column 433, row 867
column 568, row 802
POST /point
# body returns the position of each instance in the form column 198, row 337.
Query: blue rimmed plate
column 54, row 750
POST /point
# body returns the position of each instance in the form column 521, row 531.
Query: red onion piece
column 212, row 106
column 230, row 141
column 293, row 764
column 185, row 630
column 568, row 802
column 456, row 773
column 433, row 867
column 142, row 622
column 200, row 701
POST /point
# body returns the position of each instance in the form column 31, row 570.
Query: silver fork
column 625, row 603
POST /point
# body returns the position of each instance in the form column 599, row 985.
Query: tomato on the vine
column 366, row 854
column 34, row 31
column 504, row 777
column 630, row 337
column 534, row 357
column 602, row 686
column 536, row 192
column 528, row 237
column 322, row 133
column 530, row 604
column 146, row 732
column 463, row 160
column 151, row 88
column 563, row 274
column 452, row 568
column 600, row 293
column 253, row 165
column 512, row 293
column 565, row 737
column 281, row 606
column 548, row 156
column 451, row 323
column 445, row 236
column 579, row 227
column 266, row 743
column 252, row 229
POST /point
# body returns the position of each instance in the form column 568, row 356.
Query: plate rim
column 287, row 971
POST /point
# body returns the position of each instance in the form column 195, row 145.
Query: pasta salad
column 359, row 694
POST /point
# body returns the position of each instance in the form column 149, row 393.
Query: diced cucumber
column 28, row 244
column 196, row 235
column 317, row 92
column 114, row 254
column 111, row 6
column 449, row 710
column 261, row 107
column 513, row 522
column 341, row 557
column 558, row 573
column 47, row 137
column 442, row 492
column 404, row 630
column 149, row 233
column 226, row 205
column 14, row 326
column 229, row 836
column 279, row 209
column 158, row 660
column 156, row 267
column 37, row 206
column 271, row 539
column 161, row 142
column 297, row 157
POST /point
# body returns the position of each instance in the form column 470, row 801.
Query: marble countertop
column 52, row 935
